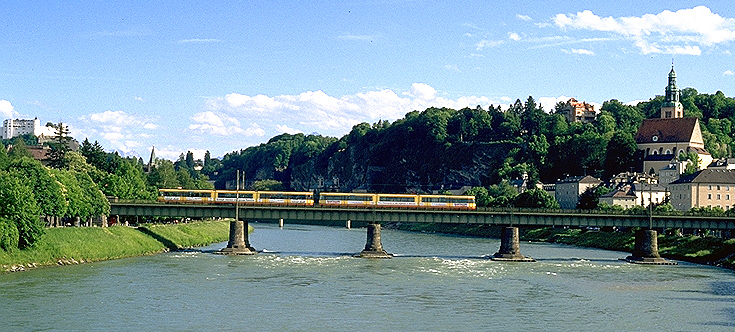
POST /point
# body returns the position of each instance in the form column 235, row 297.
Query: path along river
column 306, row 280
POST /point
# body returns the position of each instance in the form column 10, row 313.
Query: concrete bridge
column 646, row 250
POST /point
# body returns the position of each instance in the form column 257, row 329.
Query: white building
column 17, row 127
column 568, row 190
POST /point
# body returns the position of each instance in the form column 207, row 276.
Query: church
column 663, row 139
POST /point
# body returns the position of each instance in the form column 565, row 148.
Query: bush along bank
column 702, row 250
column 74, row 245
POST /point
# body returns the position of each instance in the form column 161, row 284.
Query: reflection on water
column 305, row 279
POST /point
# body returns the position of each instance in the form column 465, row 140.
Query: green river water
column 306, row 280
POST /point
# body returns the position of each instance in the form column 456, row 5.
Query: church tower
column 672, row 107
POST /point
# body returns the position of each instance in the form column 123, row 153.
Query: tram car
column 233, row 197
column 295, row 198
column 398, row 200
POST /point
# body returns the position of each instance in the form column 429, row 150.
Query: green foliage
column 19, row 150
column 46, row 189
column 620, row 155
column 482, row 197
column 59, row 146
column 535, row 198
column 18, row 204
column 268, row 185
column 9, row 234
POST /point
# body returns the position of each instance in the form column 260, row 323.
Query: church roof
column 672, row 130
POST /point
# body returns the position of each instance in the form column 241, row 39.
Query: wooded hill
column 442, row 148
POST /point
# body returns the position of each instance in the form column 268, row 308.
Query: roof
column 620, row 193
column 648, row 187
column 580, row 179
column 671, row 130
column 717, row 176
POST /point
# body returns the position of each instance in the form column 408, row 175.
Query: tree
column 620, row 154
column 535, row 198
column 95, row 154
column 18, row 205
column 19, row 150
column 4, row 158
column 59, row 146
column 482, row 198
column 47, row 191
column 268, row 185
column 590, row 198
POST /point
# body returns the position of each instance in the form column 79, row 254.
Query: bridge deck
column 515, row 217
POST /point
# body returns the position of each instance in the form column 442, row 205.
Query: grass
column 72, row 245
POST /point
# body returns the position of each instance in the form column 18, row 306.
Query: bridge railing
column 628, row 212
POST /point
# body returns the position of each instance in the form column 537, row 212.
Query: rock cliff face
column 452, row 167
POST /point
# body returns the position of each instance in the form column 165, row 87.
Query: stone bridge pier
column 510, row 247
column 646, row 249
column 373, row 246
column 238, row 243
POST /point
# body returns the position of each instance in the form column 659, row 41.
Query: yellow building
column 705, row 188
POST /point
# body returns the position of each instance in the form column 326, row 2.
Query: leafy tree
column 79, row 205
column 19, row 150
column 590, row 198
column 46, row 189
column 628, row 118
column 620, row 155
column 268, row 185
column 18, row 205
column 482, row 198
column 9, row 235
column 535, row 198
column 4, row 158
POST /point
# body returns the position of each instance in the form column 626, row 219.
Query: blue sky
column 225, row 75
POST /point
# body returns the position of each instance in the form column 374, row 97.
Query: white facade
column 17, row 127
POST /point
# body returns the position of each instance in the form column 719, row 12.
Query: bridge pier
column 373, row 247
column 238, row 243
column 646, row 249
column 510, row 247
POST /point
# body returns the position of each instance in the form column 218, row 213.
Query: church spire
column 672, row 107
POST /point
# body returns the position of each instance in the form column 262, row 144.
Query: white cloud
column 483, row 44
column 6, row 109
column 728, row 73
column 523, row 17
column 549, row 103
column 514, row 36
column 288, row 130
column 578, row 51
column 422, row 91
column 122, row 131
column 680, row 32
column 322, row 113
column 140, row 99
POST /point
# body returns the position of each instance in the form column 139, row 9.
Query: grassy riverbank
column 72, row 245
column 702, row 250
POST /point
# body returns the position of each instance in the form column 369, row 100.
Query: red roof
column 666, row 130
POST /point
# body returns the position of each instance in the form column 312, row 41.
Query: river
column 306, row 280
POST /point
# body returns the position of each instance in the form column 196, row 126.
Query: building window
column 718, row 196
column 709, row 196
column 718, row 187
column 727, row 197
column 709, row 187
